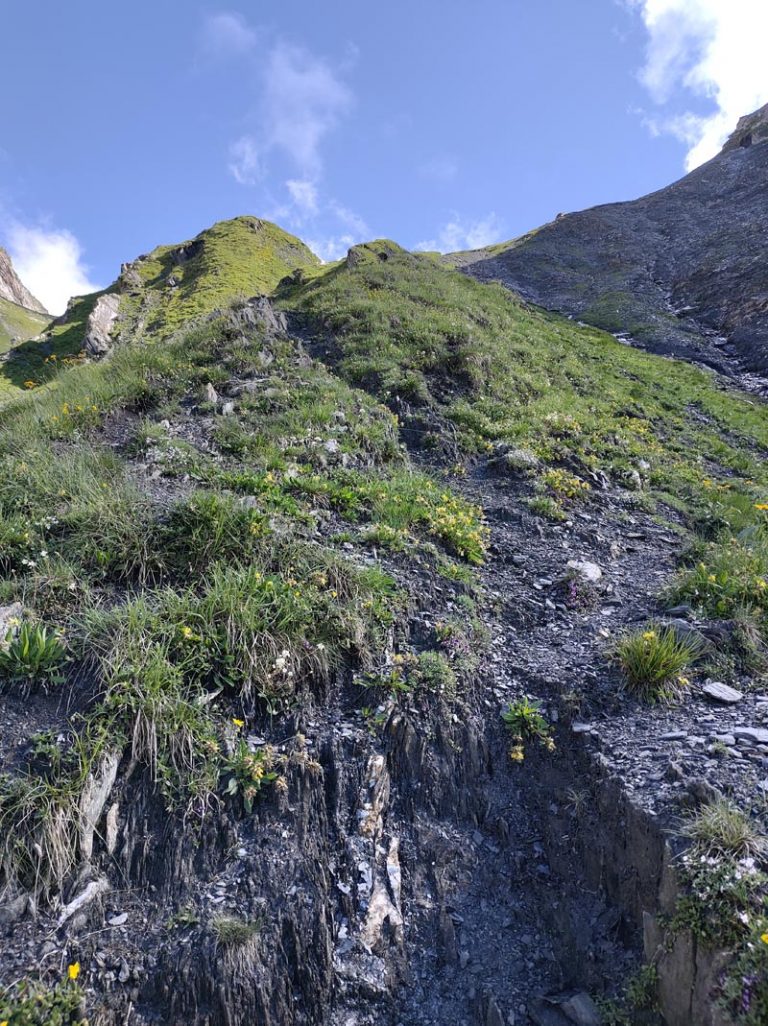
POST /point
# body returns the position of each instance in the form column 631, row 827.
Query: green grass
column 230, row 931
column 722, row 829
column 18, row 325
column 412, row 331
column 233, row 259
column 652, row 661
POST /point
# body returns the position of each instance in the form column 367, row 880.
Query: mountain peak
column 12, row 288
column 751, row 129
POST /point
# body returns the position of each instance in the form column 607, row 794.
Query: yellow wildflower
column 73, row 971
column 763, row 938
column 761, row 505
column 238, row 723
column 649, row 635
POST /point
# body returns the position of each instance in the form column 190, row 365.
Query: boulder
column 98, row 329
column 590, row 572
column 721, row 693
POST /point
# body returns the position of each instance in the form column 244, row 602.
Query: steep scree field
column 681, row 270
column 357, row 646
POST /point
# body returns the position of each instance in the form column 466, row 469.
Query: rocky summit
column 681, row 271
column 381, row 646
column 21, row 315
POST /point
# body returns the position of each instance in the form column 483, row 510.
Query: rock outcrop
column 98, row 332
column 12, row 288
column 681, row 271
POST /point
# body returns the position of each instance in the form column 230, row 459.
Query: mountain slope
column 159, row 292
column 13, row 290
column 279, row 570
column 18, row 324
column 682, row 270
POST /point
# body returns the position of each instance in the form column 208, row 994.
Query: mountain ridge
column 13, row 289
column 681, row 270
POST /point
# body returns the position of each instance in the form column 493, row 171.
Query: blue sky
column 437, row 123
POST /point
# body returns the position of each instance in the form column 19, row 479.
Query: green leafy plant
column 249, row 771
column 33, row 654
column 652, row 661
column 525, row 722
column 434, row 672
column 32, row 1003
column 745, row 988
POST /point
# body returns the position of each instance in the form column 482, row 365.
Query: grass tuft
column 652, row 661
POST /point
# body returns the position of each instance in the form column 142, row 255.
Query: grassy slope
column 238, row 258
column 408, row 329
column 18, row 324
column 163, row 588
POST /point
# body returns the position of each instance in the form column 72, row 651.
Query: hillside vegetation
column 210, row 529
column 166, row 289
column 18, row 325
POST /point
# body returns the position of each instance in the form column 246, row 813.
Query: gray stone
column 101, row 321
column 493, row 1016
column 590, row 572
column 89, row 893
column 10, row 618
column 93, row 798
column 581, row 1010
column 719, row 692
column 753, row 735
column 520, row 461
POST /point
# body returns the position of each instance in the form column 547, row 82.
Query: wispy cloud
column 704, row 49
column 303, row 193
column 459, row 234
column 245, row 161
column 50, row 263
column 332, row 247
column 354, row 230
column 227, row 33
column 296, row 99
column 299, row 99
column 304, row 98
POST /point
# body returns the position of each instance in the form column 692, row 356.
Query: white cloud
column 245, row 161
column 350, row 220
column 458, row 234
column 227, row 33
column 50, row 264
column 303, row 100
column 303, row 194
column 333, row 247
column 709, row 49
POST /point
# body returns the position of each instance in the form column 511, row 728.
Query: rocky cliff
column 12, row 289
column 682, row 271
